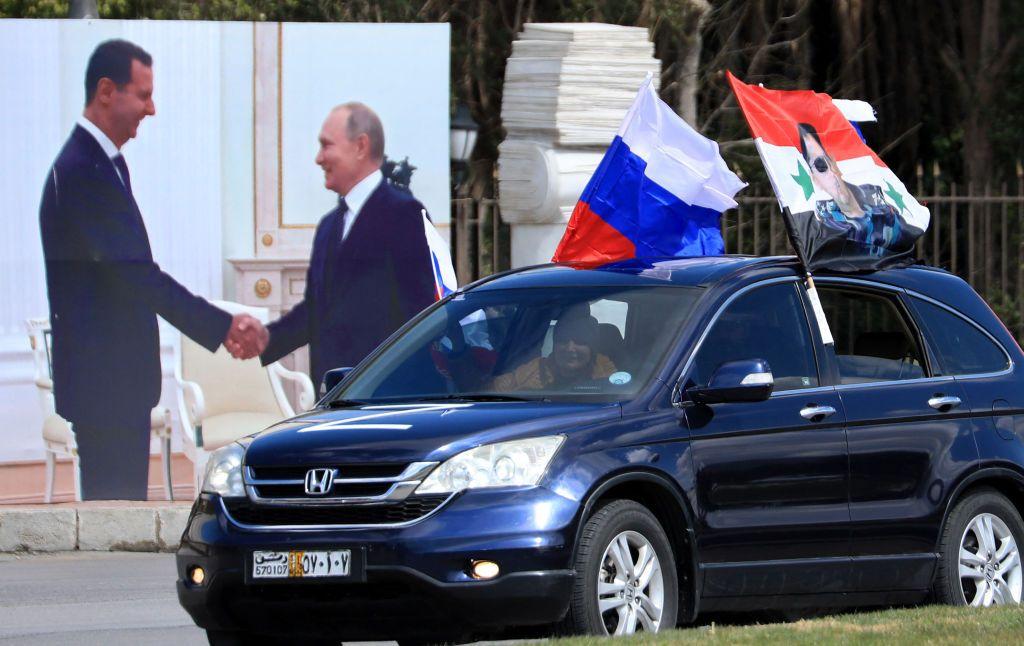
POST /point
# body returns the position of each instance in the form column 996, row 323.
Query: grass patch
column 923, row 625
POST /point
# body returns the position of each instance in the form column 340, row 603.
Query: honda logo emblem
column 319, row 481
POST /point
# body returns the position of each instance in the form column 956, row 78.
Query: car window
column 873, row 339
column 611, row 316
column 766, row 323
column 611, row 312
column 567, row 344
column 963, row 349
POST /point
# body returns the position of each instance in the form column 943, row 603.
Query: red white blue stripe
column 445, row 281
column 659, row 191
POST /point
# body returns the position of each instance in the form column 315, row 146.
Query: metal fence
column 975, row 232
column 480, row 240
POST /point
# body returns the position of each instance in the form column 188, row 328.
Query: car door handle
column 942, row 403
column 817, row 413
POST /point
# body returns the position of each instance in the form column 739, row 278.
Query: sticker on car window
column 620, row 378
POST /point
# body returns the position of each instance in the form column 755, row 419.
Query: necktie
column 344, row 214
column 337, row 233
column 122, row 168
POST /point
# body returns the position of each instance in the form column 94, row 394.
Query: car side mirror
column 332, row 378
column 748, row 380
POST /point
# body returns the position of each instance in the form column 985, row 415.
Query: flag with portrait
column 846, row 210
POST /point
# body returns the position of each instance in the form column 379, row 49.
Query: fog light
column 197, row 575
column 483, row 569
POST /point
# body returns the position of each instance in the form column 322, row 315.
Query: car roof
column 703, row 271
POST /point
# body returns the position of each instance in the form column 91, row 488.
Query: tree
column 83, row 9
column 977, row 56
column 944, row 75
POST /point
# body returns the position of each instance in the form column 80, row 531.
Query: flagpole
column 812, row 292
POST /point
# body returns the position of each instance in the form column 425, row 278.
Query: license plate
column 297, row 564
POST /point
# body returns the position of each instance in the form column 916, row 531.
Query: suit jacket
column 105, row 292
column 380, row 278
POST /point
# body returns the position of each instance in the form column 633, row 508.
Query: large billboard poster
column 400, row 70
column 214, row 168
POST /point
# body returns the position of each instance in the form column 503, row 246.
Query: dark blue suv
column 618, row 449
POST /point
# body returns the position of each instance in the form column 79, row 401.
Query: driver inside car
column 574, row 361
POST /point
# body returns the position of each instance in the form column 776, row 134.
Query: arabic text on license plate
column 299, row 563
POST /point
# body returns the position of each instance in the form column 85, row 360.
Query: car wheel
column 980, row 552
column 626, row 578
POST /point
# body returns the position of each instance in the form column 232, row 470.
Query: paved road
column 101, row 599
column 98, row 599
column 95, row 598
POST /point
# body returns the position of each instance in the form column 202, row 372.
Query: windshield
column 562, row 344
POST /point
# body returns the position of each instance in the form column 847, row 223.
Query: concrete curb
column 116, row 526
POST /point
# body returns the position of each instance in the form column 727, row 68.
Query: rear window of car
column 873, row 339
column 963, row 349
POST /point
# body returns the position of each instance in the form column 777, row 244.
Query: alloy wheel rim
column 989, row 563
column 630, row 586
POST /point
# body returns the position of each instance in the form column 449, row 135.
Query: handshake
column 247, row 337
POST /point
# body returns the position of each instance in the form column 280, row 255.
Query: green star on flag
column 896, row 197
column 804, row 180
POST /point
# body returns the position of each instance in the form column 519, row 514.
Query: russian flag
column 441, row 266
column 659, row 191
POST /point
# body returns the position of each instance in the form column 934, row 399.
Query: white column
column 567, row 88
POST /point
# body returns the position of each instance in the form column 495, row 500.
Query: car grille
column 356, row 494
column 350, row 483
column 246, row 512
column 339, row 490
column 344, row 471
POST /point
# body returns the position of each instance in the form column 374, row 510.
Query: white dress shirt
column 104, row 141
column 357, row 197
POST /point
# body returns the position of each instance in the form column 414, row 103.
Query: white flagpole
column 812, row 293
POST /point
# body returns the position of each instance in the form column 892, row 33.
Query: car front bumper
column 410, row 580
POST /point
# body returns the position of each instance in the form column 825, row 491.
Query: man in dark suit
column 370, row 270
column 104, row 288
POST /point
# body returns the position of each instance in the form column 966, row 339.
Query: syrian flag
column 659, row 191
column 845, row 210
column 440, row 261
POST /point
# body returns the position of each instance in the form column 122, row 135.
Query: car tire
column 609, row 595
column 979, row 552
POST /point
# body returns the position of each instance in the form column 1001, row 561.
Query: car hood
column 412, row 432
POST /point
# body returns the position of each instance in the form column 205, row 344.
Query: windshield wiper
column 344, row 403
column 481, row 397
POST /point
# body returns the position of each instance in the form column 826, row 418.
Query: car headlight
column 224, row 472
column 519, row 463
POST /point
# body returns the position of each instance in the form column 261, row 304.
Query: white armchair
column 222, row 399
column 58, row 436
